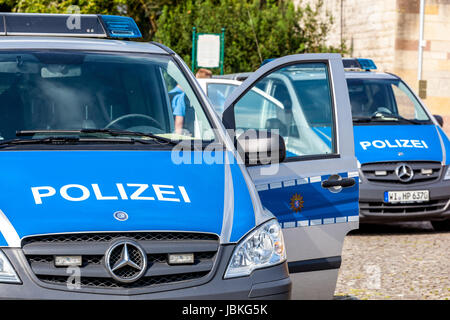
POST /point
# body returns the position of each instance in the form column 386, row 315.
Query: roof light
column 351, row 63
column 358, row 64
column 68, row 25
column 120, row 27
column 267, row 61
column 367, row 64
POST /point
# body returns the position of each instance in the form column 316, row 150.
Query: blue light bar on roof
column 68, row 25
column 351, row 63
column 359, row 63
column 120, row 27
column 267, row 61
column 367, row 64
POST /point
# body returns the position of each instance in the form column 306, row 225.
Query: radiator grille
column 41, row 250
column 369, row 170
column 401, row 208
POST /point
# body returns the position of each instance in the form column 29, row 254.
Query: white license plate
column 406, row 196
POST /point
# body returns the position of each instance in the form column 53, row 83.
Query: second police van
column 403, row 153
column 107, row 193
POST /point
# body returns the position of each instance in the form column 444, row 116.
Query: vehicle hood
column 378, row 143
column 90, row 186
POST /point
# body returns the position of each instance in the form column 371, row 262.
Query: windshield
column 85, row 91
column 384, row 100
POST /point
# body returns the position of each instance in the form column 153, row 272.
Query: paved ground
column 397, row 261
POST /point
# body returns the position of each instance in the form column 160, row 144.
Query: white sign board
column 208, row 51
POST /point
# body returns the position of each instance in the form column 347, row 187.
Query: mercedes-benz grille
column 40, row 252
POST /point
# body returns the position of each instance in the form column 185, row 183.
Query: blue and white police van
column 107, row 193
column 402, row 151
column 401, row 147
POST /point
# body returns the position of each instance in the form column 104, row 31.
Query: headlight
column 447, row 174
column 262, row 248
column 7, row 273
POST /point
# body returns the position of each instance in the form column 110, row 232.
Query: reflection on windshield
column 217, row 93
column 83, row 90
column 384, row 100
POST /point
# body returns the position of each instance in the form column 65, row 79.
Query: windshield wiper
column 57, row 140
column 384, row 117
column 394, row 117
column 362, row 119
column 110, row 132
column 114, row 132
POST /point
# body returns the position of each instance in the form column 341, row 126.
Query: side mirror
column 439, row 119
column 261, row 147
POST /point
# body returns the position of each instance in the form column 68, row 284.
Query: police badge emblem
column 297, row 202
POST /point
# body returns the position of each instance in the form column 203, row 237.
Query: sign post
column 208, row 50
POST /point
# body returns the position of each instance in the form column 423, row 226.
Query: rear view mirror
column 261, row 147
column 60, row 71
column 439, row 119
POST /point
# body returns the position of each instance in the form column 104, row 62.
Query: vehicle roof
column 219, row 80
column 369, row 75
column 348, row 74
column 71, row 43
column 240, row 76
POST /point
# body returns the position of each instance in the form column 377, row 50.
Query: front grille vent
column 41, row 250
column 369, row 170
column 381, row 208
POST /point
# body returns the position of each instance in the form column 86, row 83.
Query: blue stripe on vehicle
column 446, row 143
column 244, row 217
column 276, row 197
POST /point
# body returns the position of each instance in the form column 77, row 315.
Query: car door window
column 304, row 117
column 249, row 119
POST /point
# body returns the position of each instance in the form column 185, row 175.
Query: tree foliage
column 63, row 6
column 144, row 12
column 255, row 29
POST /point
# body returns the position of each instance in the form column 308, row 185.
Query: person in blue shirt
column 179, row 101
column 178, row 107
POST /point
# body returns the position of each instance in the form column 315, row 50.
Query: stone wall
column 387, row 31
column 436, row 54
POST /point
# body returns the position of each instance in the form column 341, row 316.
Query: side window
column 297, row 103
column 256, row 110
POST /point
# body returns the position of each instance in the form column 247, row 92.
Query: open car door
column 314, row 191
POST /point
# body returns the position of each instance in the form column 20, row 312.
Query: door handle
column 337, row 182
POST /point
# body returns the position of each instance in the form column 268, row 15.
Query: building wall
column 387, row 31
column 436, row 54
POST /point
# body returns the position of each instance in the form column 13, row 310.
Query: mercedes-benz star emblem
column 404, row 172
column 126, row 261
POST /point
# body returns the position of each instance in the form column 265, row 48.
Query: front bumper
column 373, row 209
column 270, row 283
